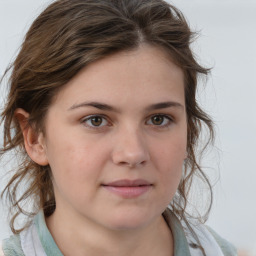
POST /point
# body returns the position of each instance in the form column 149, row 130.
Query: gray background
column 228, row 44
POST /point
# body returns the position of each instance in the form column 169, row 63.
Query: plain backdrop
column 227, row 43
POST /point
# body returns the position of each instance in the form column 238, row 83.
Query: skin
column 127, row 144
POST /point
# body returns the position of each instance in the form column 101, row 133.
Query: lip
column 128, row 188
column 128, row 183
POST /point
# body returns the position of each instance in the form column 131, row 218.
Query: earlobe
column 34, row 141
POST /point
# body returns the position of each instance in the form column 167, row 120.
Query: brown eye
column 160, row 120
column 96, row 121
column 157, row 120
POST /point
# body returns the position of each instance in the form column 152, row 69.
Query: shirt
column 37, row 240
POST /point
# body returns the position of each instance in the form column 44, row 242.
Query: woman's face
column 116, row 139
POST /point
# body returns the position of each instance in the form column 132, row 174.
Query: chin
column 127, row 226
column 130, row 221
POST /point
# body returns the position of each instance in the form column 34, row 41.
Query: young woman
column 102, row 111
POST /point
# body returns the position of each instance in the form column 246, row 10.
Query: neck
column 78, row 236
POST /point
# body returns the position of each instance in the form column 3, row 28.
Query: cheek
column 171, row 152
column 169, row 158
column 77, row 169
column 75, row 160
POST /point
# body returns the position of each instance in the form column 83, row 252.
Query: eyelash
column 89, row 118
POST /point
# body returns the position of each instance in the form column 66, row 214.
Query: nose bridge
column 130, row 148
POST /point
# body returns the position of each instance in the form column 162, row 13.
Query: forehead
column 138, row 75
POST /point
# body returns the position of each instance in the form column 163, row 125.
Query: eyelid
column 170, row 120
column 162, row 114
column 87, row 118
column 83, row 120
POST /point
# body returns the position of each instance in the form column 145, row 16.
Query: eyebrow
column 103, row 106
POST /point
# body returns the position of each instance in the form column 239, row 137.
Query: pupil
column 158, row 120
column 96, row 121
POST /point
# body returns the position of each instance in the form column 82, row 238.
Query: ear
column 34, row 142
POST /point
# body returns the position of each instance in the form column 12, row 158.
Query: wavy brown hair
column 69, row 35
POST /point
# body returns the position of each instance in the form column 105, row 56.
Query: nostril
column 130, row 157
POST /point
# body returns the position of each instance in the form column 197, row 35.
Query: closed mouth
column 128, row 183
column 128, row 189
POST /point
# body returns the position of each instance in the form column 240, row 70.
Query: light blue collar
column 45, row 236
column 180, row 242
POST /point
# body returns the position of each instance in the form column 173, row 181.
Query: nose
column 130, row 150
